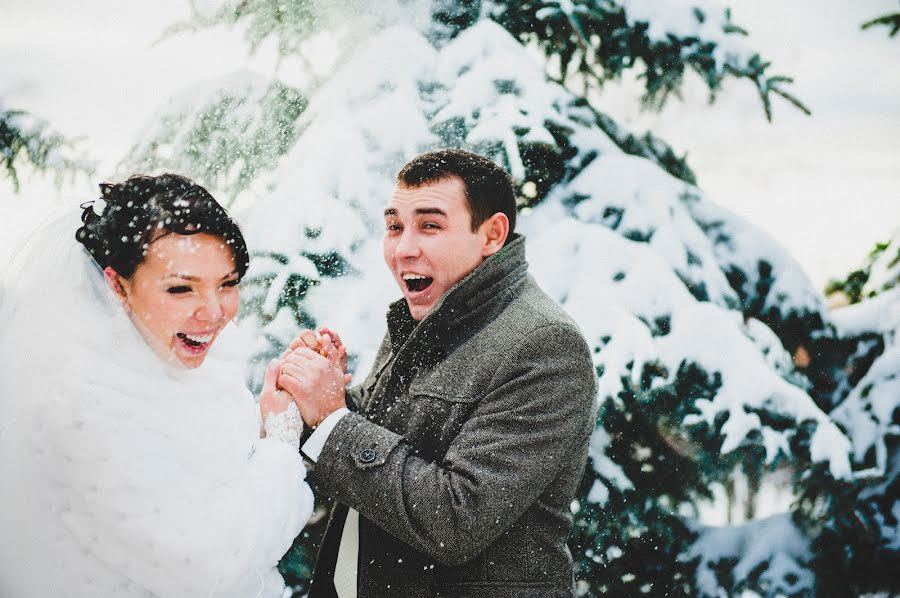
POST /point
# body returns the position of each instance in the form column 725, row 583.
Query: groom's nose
column 407, row 245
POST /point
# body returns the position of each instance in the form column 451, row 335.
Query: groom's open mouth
column 416, row 283
column 195, row 343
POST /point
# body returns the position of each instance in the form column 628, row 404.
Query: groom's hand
column 315, row 382
column 326, row 343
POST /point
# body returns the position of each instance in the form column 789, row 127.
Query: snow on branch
column 28, row 141
column 290, row 23
column 770, row 555
column 594, row 42
column 298, row 27
column 649, row 317
column 224, row 133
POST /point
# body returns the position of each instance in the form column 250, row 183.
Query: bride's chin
column 192, row 363
column 178, row 355
column 190, row 357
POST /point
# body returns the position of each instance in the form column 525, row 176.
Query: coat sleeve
column 358, row 395
column 539, row 406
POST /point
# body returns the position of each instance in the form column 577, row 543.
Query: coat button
column 367, row 455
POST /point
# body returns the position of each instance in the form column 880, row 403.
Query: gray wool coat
column 470, row 440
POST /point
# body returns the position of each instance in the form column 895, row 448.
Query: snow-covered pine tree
column 692, row 314
column 27, row 141
column 879, row 272
column 857, row 544
column 237, row 132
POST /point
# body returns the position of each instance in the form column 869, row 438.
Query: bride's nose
column 210, row 310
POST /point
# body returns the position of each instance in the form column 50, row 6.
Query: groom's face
column 429, row 244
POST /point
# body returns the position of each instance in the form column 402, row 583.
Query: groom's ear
column 116, row 283
column 494, row 232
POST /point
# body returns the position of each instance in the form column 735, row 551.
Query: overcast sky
column 826, row 187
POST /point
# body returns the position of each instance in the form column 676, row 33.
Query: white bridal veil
column 120, row 474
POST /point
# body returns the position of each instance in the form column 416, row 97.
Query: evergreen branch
column 793, row 100
column 290, row 23
column 731, row 27
column 601, row 43
column 25, row 140
column 888, row 20
column 197, row 22
column 228, row 138
column 767, row 86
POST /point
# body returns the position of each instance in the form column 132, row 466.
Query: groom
column 455, row 470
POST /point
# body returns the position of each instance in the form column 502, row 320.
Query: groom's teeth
column 416, row 282
column 199, row 339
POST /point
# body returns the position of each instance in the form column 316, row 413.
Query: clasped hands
column 312, row 373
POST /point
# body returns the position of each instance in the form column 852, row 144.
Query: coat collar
column 485, row 287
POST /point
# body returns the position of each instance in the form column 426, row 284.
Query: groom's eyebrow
column 417, row 211
column 438, row 211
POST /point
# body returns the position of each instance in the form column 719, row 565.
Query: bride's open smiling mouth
column 195, row 344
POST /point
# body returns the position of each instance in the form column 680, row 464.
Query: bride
column 133, row 459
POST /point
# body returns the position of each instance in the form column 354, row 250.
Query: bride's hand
column 273, row 399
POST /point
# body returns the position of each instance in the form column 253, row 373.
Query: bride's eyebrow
column 195, row 278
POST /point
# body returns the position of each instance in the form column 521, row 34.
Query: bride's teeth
column 199, row 339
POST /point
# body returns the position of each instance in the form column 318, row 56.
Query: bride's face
column 183, row 294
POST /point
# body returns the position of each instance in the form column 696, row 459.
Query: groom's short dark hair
column 488, row 188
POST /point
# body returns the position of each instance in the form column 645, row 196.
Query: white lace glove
column 285, row 426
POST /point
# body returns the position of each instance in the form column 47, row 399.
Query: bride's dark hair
column 119, row 227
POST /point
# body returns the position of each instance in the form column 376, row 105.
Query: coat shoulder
column 532, row 311
column 527, row 330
